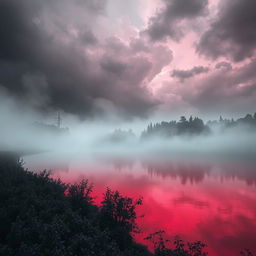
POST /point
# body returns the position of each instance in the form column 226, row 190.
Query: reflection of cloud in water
column 184, row 199
column 185, row 172
column 228, row 236
column 194, row 173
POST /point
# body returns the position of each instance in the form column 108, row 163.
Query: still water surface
column 212, row 201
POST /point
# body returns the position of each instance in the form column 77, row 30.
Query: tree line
column 196, row 126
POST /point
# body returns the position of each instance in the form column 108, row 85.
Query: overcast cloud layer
column 92, row 58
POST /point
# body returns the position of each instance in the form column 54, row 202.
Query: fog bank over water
column 25, row 131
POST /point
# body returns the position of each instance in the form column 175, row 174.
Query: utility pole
column 58, row 120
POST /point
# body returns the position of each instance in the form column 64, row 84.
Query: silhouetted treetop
column 196, row 126
column 193, row 126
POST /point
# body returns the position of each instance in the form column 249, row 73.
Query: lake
column 212, row 200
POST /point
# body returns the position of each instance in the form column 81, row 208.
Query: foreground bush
column 42, row 216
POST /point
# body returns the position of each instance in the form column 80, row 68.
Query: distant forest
column 196, row 126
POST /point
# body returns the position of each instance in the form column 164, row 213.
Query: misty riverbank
column 184, row 138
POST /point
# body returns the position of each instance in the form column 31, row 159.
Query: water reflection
column 213, row 201
column 193, row 173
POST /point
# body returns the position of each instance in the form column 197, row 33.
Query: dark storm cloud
column 113, row 66
column 223, row 64
column 226, row 91
column 232, row 34
column 166, row 22
column 185, row 74
column 17, row 30
column 97, row 6
column 48, row 52
column 88, row 38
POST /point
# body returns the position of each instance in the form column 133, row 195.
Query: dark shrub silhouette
column 79, row 195
column 161, row 248
column 36, row 218
column 118, row 214
column 41, row 216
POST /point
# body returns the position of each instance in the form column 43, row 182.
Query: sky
column 134, row 59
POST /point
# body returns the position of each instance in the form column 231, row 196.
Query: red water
column 212, row 203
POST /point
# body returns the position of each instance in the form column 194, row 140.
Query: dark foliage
column 161, row 247
column 41, row 216
column 118, row 214
column 196, row 126
column 249, row 121
column 80, row 198
column 193, row 126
